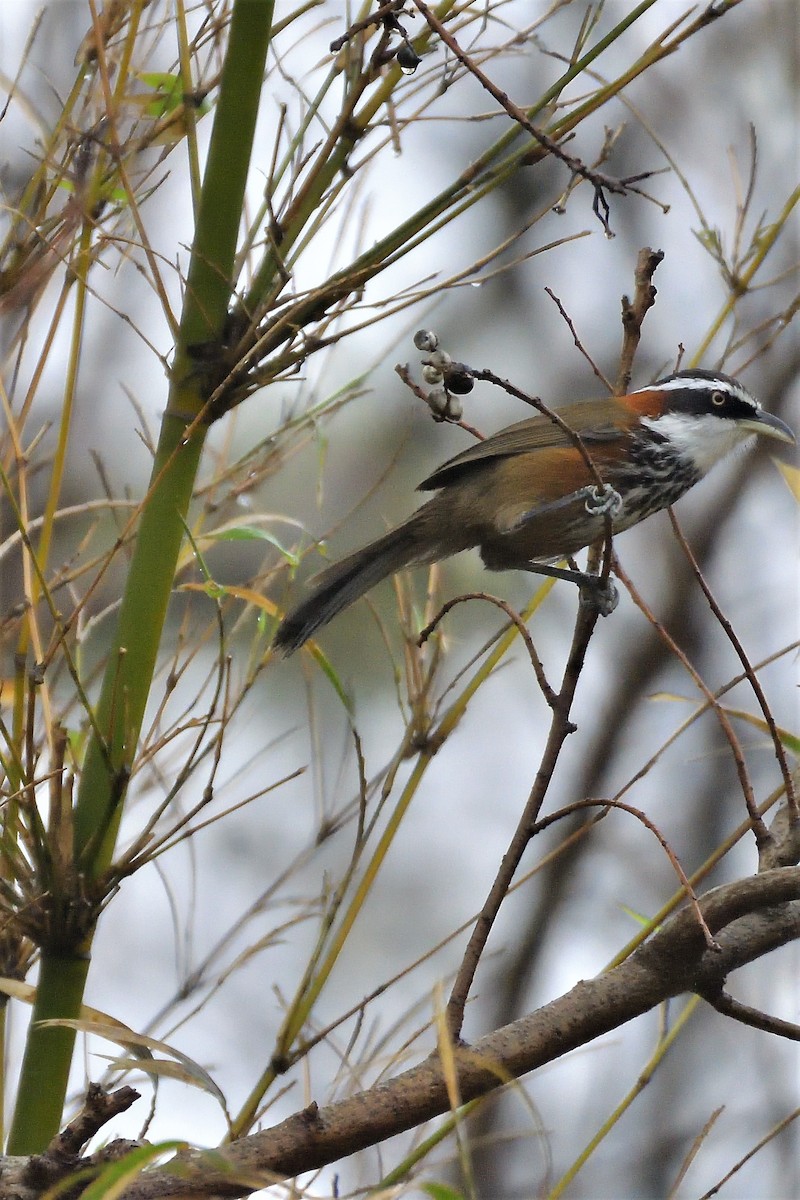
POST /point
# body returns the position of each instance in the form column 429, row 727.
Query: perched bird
column 526, row 497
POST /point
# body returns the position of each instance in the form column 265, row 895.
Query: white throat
column 704, row 439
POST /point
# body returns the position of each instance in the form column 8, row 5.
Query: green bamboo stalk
column 132, row 660
column 40, row 1098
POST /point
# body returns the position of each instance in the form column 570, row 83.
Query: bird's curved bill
column 766, row 425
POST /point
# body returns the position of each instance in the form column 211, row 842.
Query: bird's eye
column 717, row 398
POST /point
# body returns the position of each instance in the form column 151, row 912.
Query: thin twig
column 754, row 1017
column 750, row 675
column 578, row 343
column 777, row 1128
column 402, row 370
column 385, row 15
column 560, row 728
column 579, row 805
column 601, row 182
column 760, row 830
column 550, row 696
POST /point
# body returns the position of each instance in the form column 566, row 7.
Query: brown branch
column 753, row 1017
column 634, row 312
column 560, row 729
column 578, row 343
column 760, row 830
column 750, row 674
column 749, row 918
column 98, row 1109
column 522, row 629
column 600, row 182
column 27, row 1178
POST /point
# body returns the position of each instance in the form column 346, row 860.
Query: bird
column 526, row 497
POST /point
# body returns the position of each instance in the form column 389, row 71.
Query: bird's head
column 703, row 415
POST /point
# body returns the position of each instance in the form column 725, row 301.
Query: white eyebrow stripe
column 679, row 385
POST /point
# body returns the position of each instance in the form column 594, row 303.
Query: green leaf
column 116, row 1177
column 639, row 918
column 328, row 670
column 251, row 533
column 168, row 89
column 201, row 562
column 441, row 1191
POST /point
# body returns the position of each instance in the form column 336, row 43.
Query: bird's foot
column 595, row 592
column 602, row 500
column 599, row 594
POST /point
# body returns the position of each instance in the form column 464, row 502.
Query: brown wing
column 592, row 419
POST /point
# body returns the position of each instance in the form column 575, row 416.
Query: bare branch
column 749, row 918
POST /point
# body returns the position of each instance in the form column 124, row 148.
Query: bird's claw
column 599, row 594
column 603, row 500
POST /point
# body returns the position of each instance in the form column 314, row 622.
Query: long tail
column 344, row 582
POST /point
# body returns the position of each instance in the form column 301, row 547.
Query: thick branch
column 749, row 918
column 29, row 1177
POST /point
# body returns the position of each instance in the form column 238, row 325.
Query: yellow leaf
column 791, row 475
